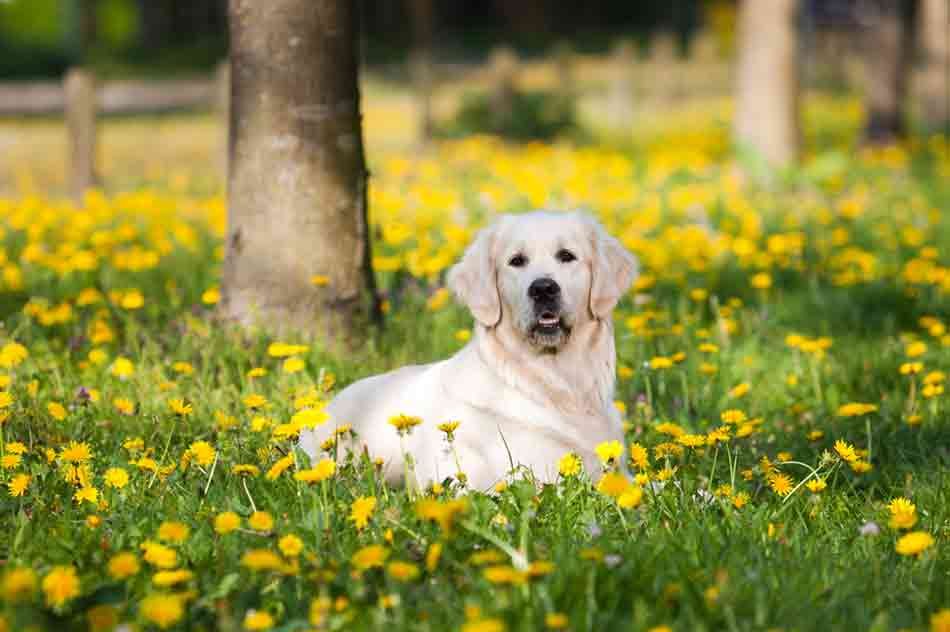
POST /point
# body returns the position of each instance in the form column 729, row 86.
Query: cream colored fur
column 518, row 404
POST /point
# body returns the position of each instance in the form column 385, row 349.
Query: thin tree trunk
column 934, row 30
column 766, row 116
column 420, row 61
column 297, row 252
column 887, row 44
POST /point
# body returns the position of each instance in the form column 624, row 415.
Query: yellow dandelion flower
column 180, row 407
column 56, row 410
column 164, row 610
column 18, row 584
column 484, row 625
column 322, row 471
column 609, row 451
column 245, row 469
column 361, row 510
column 284, row 350
column 846, row 451
column 402, row 571
column 290, row 545
column 123, row 565
column 914, row 543
column 280, row 466
column 176, row 532
column 740, row 390
column 258, row 620
column 781, row 484
column 255, row 401
column 60, row 585
column 261, row 521
column 293, row 365
column 87, row 493
column 202, row 452
column 404, row 423
column 122, row 368
column 569, row 465
column 556, row 621
column 732, row 416
column 368, row 557
column 613, row 484
column 262, row 560
column 159, row 555
column 18, row 485
column 124, row 405
column 116, row 478
column 691, row 440
column 165, row 579
column 940, row 621
column 226, row 522
column 631, row 497
column 816, row 485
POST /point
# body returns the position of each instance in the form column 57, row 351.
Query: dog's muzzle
column 549, row 327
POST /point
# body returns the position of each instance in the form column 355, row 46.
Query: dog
column 535, row 381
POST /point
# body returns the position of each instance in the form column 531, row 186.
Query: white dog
column 535, row 382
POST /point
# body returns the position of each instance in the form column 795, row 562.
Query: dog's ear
column 474, row 279
column 613, row 269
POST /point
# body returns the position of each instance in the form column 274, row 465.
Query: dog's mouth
column 549, row 322
column 550, row 330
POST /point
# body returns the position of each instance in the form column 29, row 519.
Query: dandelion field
column 782, row 370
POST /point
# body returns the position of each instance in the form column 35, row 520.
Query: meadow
column 782, row 372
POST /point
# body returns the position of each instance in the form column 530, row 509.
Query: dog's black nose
column 544, row 289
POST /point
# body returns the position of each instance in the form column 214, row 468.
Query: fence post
column 222, row 104
column 504, row 71
column 420, row 72
column 623, row 60
column 564, row 64
column 664, row 73
column 79, row 88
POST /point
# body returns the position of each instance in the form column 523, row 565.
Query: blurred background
column 633, row 75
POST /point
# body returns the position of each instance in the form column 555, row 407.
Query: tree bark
column 934, row 35
column 766, row 116
column 297, row 252
column 887, row 45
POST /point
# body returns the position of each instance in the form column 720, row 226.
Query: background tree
column 422, row 16
column 766, row 116
column 933, row 26
column 297, row 253
column 887, row 45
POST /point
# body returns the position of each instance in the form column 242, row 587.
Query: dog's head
column 543, row 274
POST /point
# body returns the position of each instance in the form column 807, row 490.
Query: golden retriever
column 535, row 381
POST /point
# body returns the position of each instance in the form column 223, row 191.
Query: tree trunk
column 766, row 116
column 297, row 252
column 934, row 36
column 420, row 61
column 887, row 52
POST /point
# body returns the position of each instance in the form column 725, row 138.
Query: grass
column 788, row 299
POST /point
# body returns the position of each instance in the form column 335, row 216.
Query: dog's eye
column 565, row 256
column 517, row 261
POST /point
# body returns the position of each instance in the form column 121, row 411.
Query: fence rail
column 113, row 97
